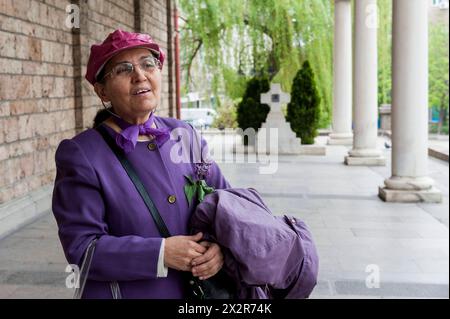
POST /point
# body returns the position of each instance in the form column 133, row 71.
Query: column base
column 432, row 195
column 365, row 161
column 340, row 139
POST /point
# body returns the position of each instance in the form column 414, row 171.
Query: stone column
column 342, row 75
column 365, row 87
column 409, row 181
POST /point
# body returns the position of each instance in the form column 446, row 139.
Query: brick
column 11, row 66
column 23, row 106
column 43, row 13
column 57, row 18
column 47, row 51
column 34, row 68
column 2, row 134
column 7, row 90
column 39, row 159
column 7, row 7
column 48, row 178
column 67, row 54
column 26, row 166
column 34, row 182
column 64, row 36
column 42, row 105
column 35, row 49
column 20, row 189
column 6, row 193
column 47, row 86
column 50, row 160
column 25, row 129
column 36, row 86
column 58, row 88
column 9, row 172
column 61, row 4
column 5, row 108
column 42, row 124
column 18, row 26
column 41, row 143
column 22, row 86
column 11, row 129
column 20, row 148
column 32, row 10
column 4, row 153
column 7, row 44
column 21, row 44
column 64, row 121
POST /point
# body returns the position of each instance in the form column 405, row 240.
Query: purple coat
column 94, row 197
column 259, row 248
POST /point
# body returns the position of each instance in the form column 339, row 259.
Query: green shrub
column 250, row 112
column 303, row 111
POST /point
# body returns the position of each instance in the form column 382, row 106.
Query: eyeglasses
column 125, row 69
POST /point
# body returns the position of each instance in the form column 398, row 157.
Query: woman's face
column 132, row 95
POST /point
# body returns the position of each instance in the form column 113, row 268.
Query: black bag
column 217, row 287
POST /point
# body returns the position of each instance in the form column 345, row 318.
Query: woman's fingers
column 195, row 237
column 205, row 243
column 180, row 250
column 209, row 263
column 212, row 250
column 208, row 269
column 198, row 248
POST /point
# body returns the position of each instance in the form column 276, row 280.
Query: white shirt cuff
column 162, row 269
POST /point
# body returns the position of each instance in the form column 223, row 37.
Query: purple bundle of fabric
column 267, row 256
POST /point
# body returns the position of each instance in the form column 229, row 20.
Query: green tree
column 303, row 111
column 250, row 112
column 438, row 72
column 384, row 51
column 258, row 38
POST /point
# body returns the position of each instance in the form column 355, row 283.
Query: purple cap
column 116, row 42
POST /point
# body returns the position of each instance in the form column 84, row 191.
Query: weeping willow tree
column 226, row 42
column 438, row 73
column 384, row 51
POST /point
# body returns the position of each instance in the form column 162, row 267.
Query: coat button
column 171, row 199
column 151, row 146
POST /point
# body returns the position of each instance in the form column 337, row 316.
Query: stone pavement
column 406, row 244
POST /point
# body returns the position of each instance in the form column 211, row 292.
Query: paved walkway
column 406, row 244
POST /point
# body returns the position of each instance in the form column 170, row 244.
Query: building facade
column 44, row 96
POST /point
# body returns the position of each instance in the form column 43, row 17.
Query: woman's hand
column 208, row 264
column 179, row 251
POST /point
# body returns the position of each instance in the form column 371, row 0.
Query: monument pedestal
column 276, row 130
column 313, row 149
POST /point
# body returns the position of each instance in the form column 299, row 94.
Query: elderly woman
column 94, row 198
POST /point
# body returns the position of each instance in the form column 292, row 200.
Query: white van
column 198, row 117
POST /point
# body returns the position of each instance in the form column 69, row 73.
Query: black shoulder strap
column 136, row 180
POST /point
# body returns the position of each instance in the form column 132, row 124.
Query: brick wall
column 44, row 97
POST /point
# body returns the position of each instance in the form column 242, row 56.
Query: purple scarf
column 127, row 139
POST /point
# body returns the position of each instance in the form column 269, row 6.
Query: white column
column 409, row 181
column 365, row 87
column 342, row 75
